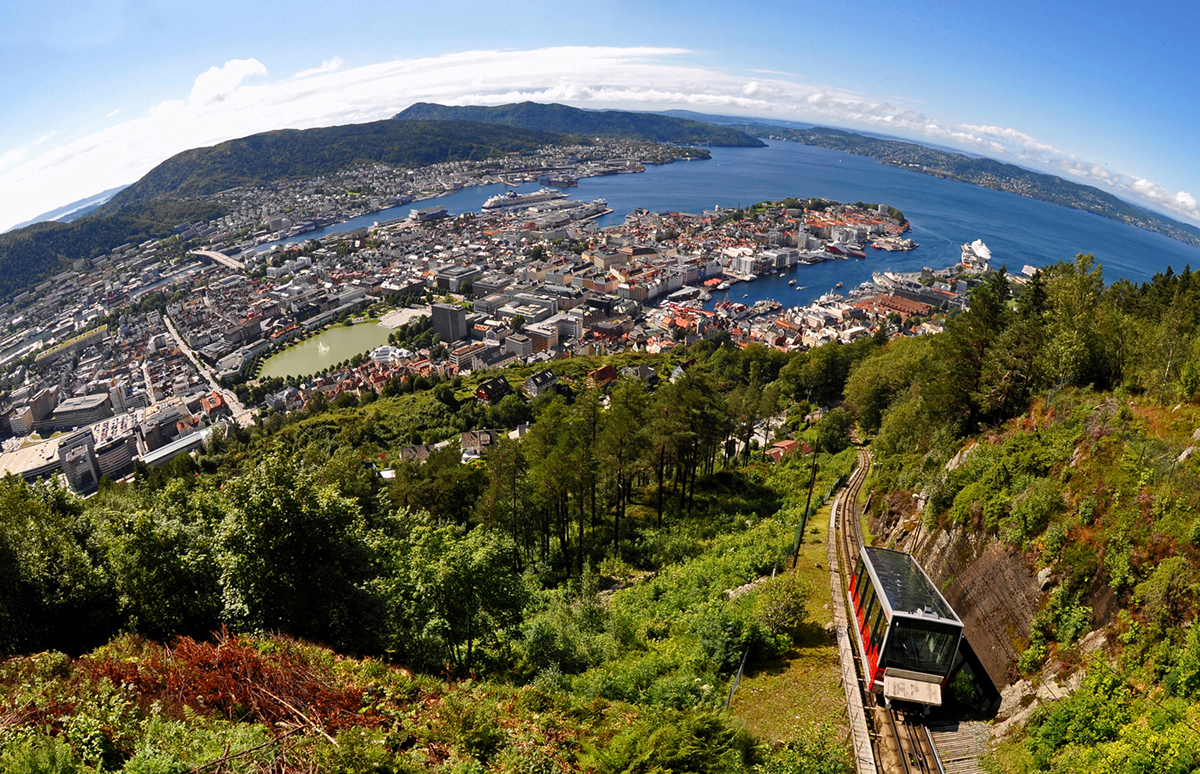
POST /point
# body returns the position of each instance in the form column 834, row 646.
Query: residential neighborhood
column 169, row 336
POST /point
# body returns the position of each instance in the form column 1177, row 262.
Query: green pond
column 327, row 348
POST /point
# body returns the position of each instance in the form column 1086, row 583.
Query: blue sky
column 94, row 94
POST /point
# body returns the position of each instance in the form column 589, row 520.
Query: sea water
column 944, row 214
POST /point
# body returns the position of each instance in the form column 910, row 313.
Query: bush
column 1095, row 713
column 821, row 753
column 782, row 604
column 725, row 637
column 701, row 742
column 39, row 755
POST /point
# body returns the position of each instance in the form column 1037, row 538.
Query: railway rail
column 903, row 743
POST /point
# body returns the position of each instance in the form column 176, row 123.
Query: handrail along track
column 914, row 749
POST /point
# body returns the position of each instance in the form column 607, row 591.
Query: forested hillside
column 32, row 254
column 307, row 152
column 578, row 573
column 1063, row 425
column 586, row 123
column 566, row 602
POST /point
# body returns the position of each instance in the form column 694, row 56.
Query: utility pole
column 808, row 503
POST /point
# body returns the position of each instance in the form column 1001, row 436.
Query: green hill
column 589, row 123
column 303, row 152
column 30, row 255
column 151, row 207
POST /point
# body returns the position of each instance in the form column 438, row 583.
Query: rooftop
column 905, row 585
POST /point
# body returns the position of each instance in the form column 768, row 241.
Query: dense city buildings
column 165, row 338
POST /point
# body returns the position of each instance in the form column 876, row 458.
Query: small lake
column 328, row 348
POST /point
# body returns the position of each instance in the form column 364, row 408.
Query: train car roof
column 907, row 590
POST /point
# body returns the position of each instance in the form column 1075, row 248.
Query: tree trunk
column 662, row 458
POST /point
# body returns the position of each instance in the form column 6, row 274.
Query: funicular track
column 902, row 742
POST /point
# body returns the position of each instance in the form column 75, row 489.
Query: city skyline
column 97, row 96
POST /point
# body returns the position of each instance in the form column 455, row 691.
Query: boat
column 781, row 273
column 976, row 256
column 745, row 295
column 512, row 199
column 791, row 282
column 838, row 286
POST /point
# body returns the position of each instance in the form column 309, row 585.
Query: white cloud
column 218, row 83
column 328, row 66
column 231, row 101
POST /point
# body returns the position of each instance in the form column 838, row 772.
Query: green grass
column 789, row 698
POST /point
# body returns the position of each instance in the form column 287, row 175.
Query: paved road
column 242, row 415
column 221, row 258
column 149, row 382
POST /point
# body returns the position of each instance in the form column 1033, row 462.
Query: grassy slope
column 193, row 704
column 790, row 697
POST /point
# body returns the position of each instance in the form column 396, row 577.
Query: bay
column 944, row 214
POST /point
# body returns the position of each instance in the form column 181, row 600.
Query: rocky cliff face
column 990, row 587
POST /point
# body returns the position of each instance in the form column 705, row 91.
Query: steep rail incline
column 864, row 754
column 902, row 742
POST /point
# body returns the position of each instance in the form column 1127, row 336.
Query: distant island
column 984, row 172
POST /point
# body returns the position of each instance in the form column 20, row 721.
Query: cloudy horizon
column 240, row 97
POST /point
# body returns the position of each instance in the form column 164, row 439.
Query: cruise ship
column 513, row 200
column 976, row 257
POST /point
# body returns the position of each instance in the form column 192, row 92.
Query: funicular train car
column 908, row 635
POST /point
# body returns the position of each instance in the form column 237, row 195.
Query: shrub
column 782, row 603
column 701, row 742
column 725, row 636
column 820, row 753
column 39, row 755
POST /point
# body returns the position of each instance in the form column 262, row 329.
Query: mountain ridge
column 654, row 127
column 283, row 153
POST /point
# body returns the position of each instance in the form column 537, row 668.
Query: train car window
column 921, row 646
column 878, row 626
column 867, row 597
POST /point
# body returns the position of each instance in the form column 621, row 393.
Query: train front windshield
column 920, row 646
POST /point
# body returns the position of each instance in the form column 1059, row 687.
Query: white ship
column 976, row 257
column 512, row 199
